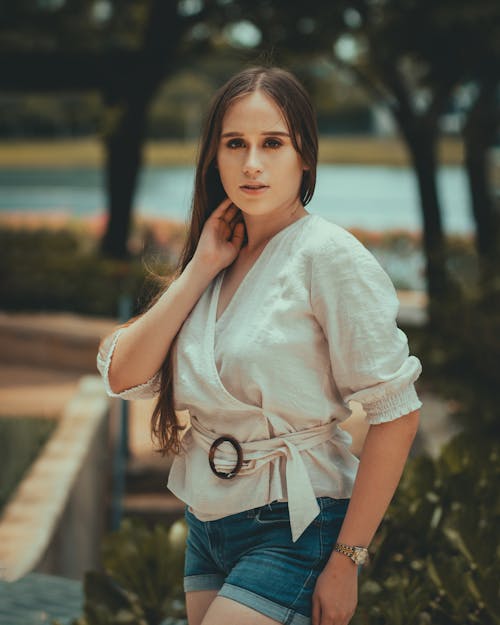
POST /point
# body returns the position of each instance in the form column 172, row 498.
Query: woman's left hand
column 335, row 596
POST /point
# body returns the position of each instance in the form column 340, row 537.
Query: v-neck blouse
column 311, row 327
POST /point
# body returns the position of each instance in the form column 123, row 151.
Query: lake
column 368, row 197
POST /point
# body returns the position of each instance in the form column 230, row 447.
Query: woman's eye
column 273, row 143
column 234, row 143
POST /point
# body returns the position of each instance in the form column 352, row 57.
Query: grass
column 89, row 152
column 21, row 439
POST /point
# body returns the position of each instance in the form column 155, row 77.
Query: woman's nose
column 252, row 165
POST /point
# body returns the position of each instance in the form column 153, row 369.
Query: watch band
column 359, row 555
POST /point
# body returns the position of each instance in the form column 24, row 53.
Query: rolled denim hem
column 210, row 581
column 264, row 606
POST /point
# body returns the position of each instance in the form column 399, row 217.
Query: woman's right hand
column 221, row 238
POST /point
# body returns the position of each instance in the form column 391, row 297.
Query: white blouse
column 311, row 327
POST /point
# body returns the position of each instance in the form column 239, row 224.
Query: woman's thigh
column 224, row 611
column 197, row 604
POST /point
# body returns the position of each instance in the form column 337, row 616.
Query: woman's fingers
column 226, row 210
column 219, row 210
column 316, row 612
column 224, row 214
column 228, row 216
column 232, row 214
column 238, row 235
column 222, row 235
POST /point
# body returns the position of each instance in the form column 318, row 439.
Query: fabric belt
column 302, row 503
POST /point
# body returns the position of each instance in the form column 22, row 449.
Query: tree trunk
column 479, row 134
column 123, row 162
column 131, row 95
column 422, row 144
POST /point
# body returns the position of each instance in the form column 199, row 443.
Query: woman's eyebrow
column 277, row 133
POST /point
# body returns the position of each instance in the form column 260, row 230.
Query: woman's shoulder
column 327, row 241
column 337, row 257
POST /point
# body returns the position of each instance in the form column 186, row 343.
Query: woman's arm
column 382, row 461
column 142, row 346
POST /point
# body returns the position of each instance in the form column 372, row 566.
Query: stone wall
column 56, row 518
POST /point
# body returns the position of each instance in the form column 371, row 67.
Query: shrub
column 436, row 555
column 61, row 270
column 142, row 582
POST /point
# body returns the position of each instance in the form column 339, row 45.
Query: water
column 354, row 196
column 368, row 197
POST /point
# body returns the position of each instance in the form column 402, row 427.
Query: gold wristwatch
column 359, row 555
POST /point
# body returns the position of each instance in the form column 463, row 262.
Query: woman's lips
column 253, row 189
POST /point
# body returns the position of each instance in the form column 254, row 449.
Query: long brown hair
column 290, row 96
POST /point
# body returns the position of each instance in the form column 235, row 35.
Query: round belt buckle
column 239, row 457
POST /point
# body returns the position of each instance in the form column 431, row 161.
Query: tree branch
column 364, row 80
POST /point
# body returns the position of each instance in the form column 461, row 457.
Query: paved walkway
column 36, row 599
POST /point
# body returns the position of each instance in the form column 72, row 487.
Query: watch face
column 360, row 557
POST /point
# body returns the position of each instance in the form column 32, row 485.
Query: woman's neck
column 262, row 228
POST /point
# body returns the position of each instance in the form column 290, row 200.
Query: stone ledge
column 33, row 514
column 58, row 340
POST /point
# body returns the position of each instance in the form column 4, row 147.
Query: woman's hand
column 221, row 238
column 336, row 593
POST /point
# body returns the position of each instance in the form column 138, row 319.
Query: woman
column 277, row 319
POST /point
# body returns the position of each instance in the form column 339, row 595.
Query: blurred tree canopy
column 124, row 50
column 408, row 56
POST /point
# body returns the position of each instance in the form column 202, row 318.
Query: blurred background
column 101, row 104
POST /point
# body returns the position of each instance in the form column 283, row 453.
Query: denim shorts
column 249, row 557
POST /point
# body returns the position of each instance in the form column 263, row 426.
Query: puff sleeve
column 355, row 303
column 149, row 389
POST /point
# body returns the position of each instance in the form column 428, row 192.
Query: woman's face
column 260, row 170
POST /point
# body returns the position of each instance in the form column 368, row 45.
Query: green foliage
column 149, row 563
column 61, row 270
column 21, row 439
column 461, row 352
column 437, row 555
column 107, row 603
column 142, row 582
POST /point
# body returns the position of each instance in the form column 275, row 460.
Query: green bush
column 461, row 353
column 61, row 270
column 143, row 579
column 436, row 556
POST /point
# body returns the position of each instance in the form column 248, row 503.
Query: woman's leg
column 197, row 603
column 223, row 611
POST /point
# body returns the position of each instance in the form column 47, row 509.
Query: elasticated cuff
column 392, row 406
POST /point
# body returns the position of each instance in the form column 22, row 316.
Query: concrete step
column 55, row 340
